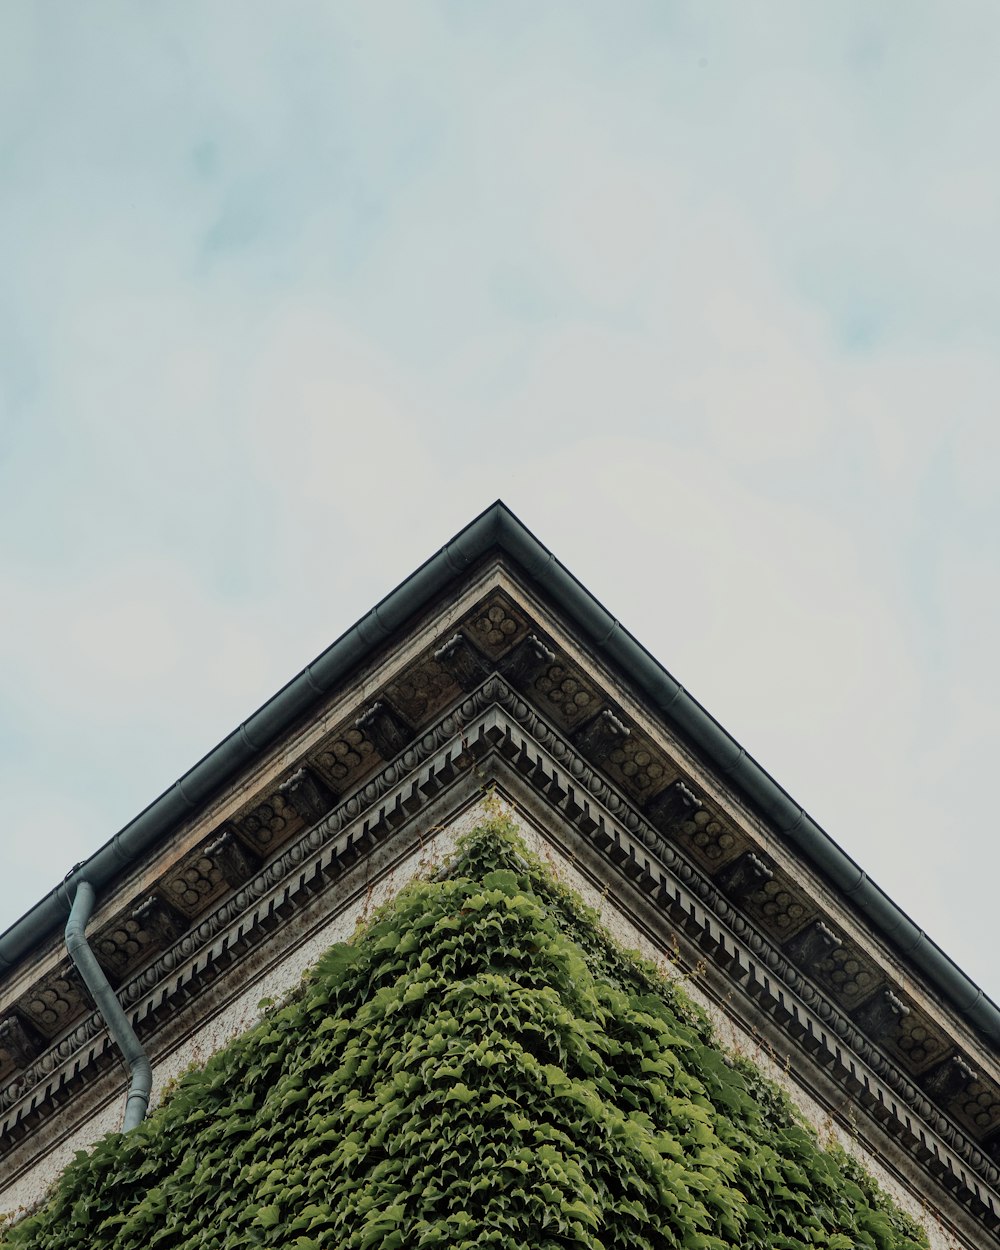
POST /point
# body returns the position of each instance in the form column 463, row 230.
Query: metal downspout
column 122, row 1033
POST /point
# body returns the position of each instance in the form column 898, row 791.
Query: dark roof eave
column 497, row 527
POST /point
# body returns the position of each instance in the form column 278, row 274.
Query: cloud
column 711, row 305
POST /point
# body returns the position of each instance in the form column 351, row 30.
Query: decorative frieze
column 195, row 883
column 712, row 841
column 813, row 944
column 231, row 857
column 462, row 661
column 55, row 1001
column 882, row 1015
column 673, row 805
column 568, row 698
column 424, row 690
column 20, row 1042
column 919, row 1044
column 269, row 824
column 706, row 877
column 345, row 757
column 308, row 793
column 848, row 975
column 780, row 908
column 497, row 625
column 745, row 875
column 978, row 1105
column 766, row 974
column 527, row 661
column 386, row 728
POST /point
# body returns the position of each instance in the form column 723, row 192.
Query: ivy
column 482, row 1066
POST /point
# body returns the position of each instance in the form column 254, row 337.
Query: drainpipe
column 104, row 996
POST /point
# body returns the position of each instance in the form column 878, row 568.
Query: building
column 492, row 685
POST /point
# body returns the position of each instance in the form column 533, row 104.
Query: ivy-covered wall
column 481, row 1067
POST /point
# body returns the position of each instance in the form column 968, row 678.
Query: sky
column 706, row 292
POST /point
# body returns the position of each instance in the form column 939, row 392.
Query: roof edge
column 256, row 734
column 498, row 527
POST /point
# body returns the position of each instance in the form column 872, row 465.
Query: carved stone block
column 386, row 728
column 162, row 922
column 497, row 625
column 462, row 661
column 780, row 908
column 599, row 737
column 119, row 946
column 948, row 1079
column 674, row 804
column 20, row 1039
column 745, row 875
column 345, row 757
column 815, row 943
column 137, row 934
column 849, row 975
column 978, row 1105
column 231, row 858
column 55, row 1002
column 270, row 822
column 527, row 661
column 308, row 793
column 195, row 883
column 882, row 1015
column 637, row 765
column 422, row 690
column 712, row 840
column 919, row 1044
column 565, row 695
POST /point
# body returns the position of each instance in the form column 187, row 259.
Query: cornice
column 495, row 734
column 498, row 534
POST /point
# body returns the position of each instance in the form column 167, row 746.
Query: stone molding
column 494, row 723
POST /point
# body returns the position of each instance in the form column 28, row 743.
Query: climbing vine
column 480, row 1067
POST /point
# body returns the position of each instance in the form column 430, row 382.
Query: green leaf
column 504, row 880
column 337, row 960
column 268, row 1217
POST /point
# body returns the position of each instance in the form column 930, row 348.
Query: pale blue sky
column 708, row 293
